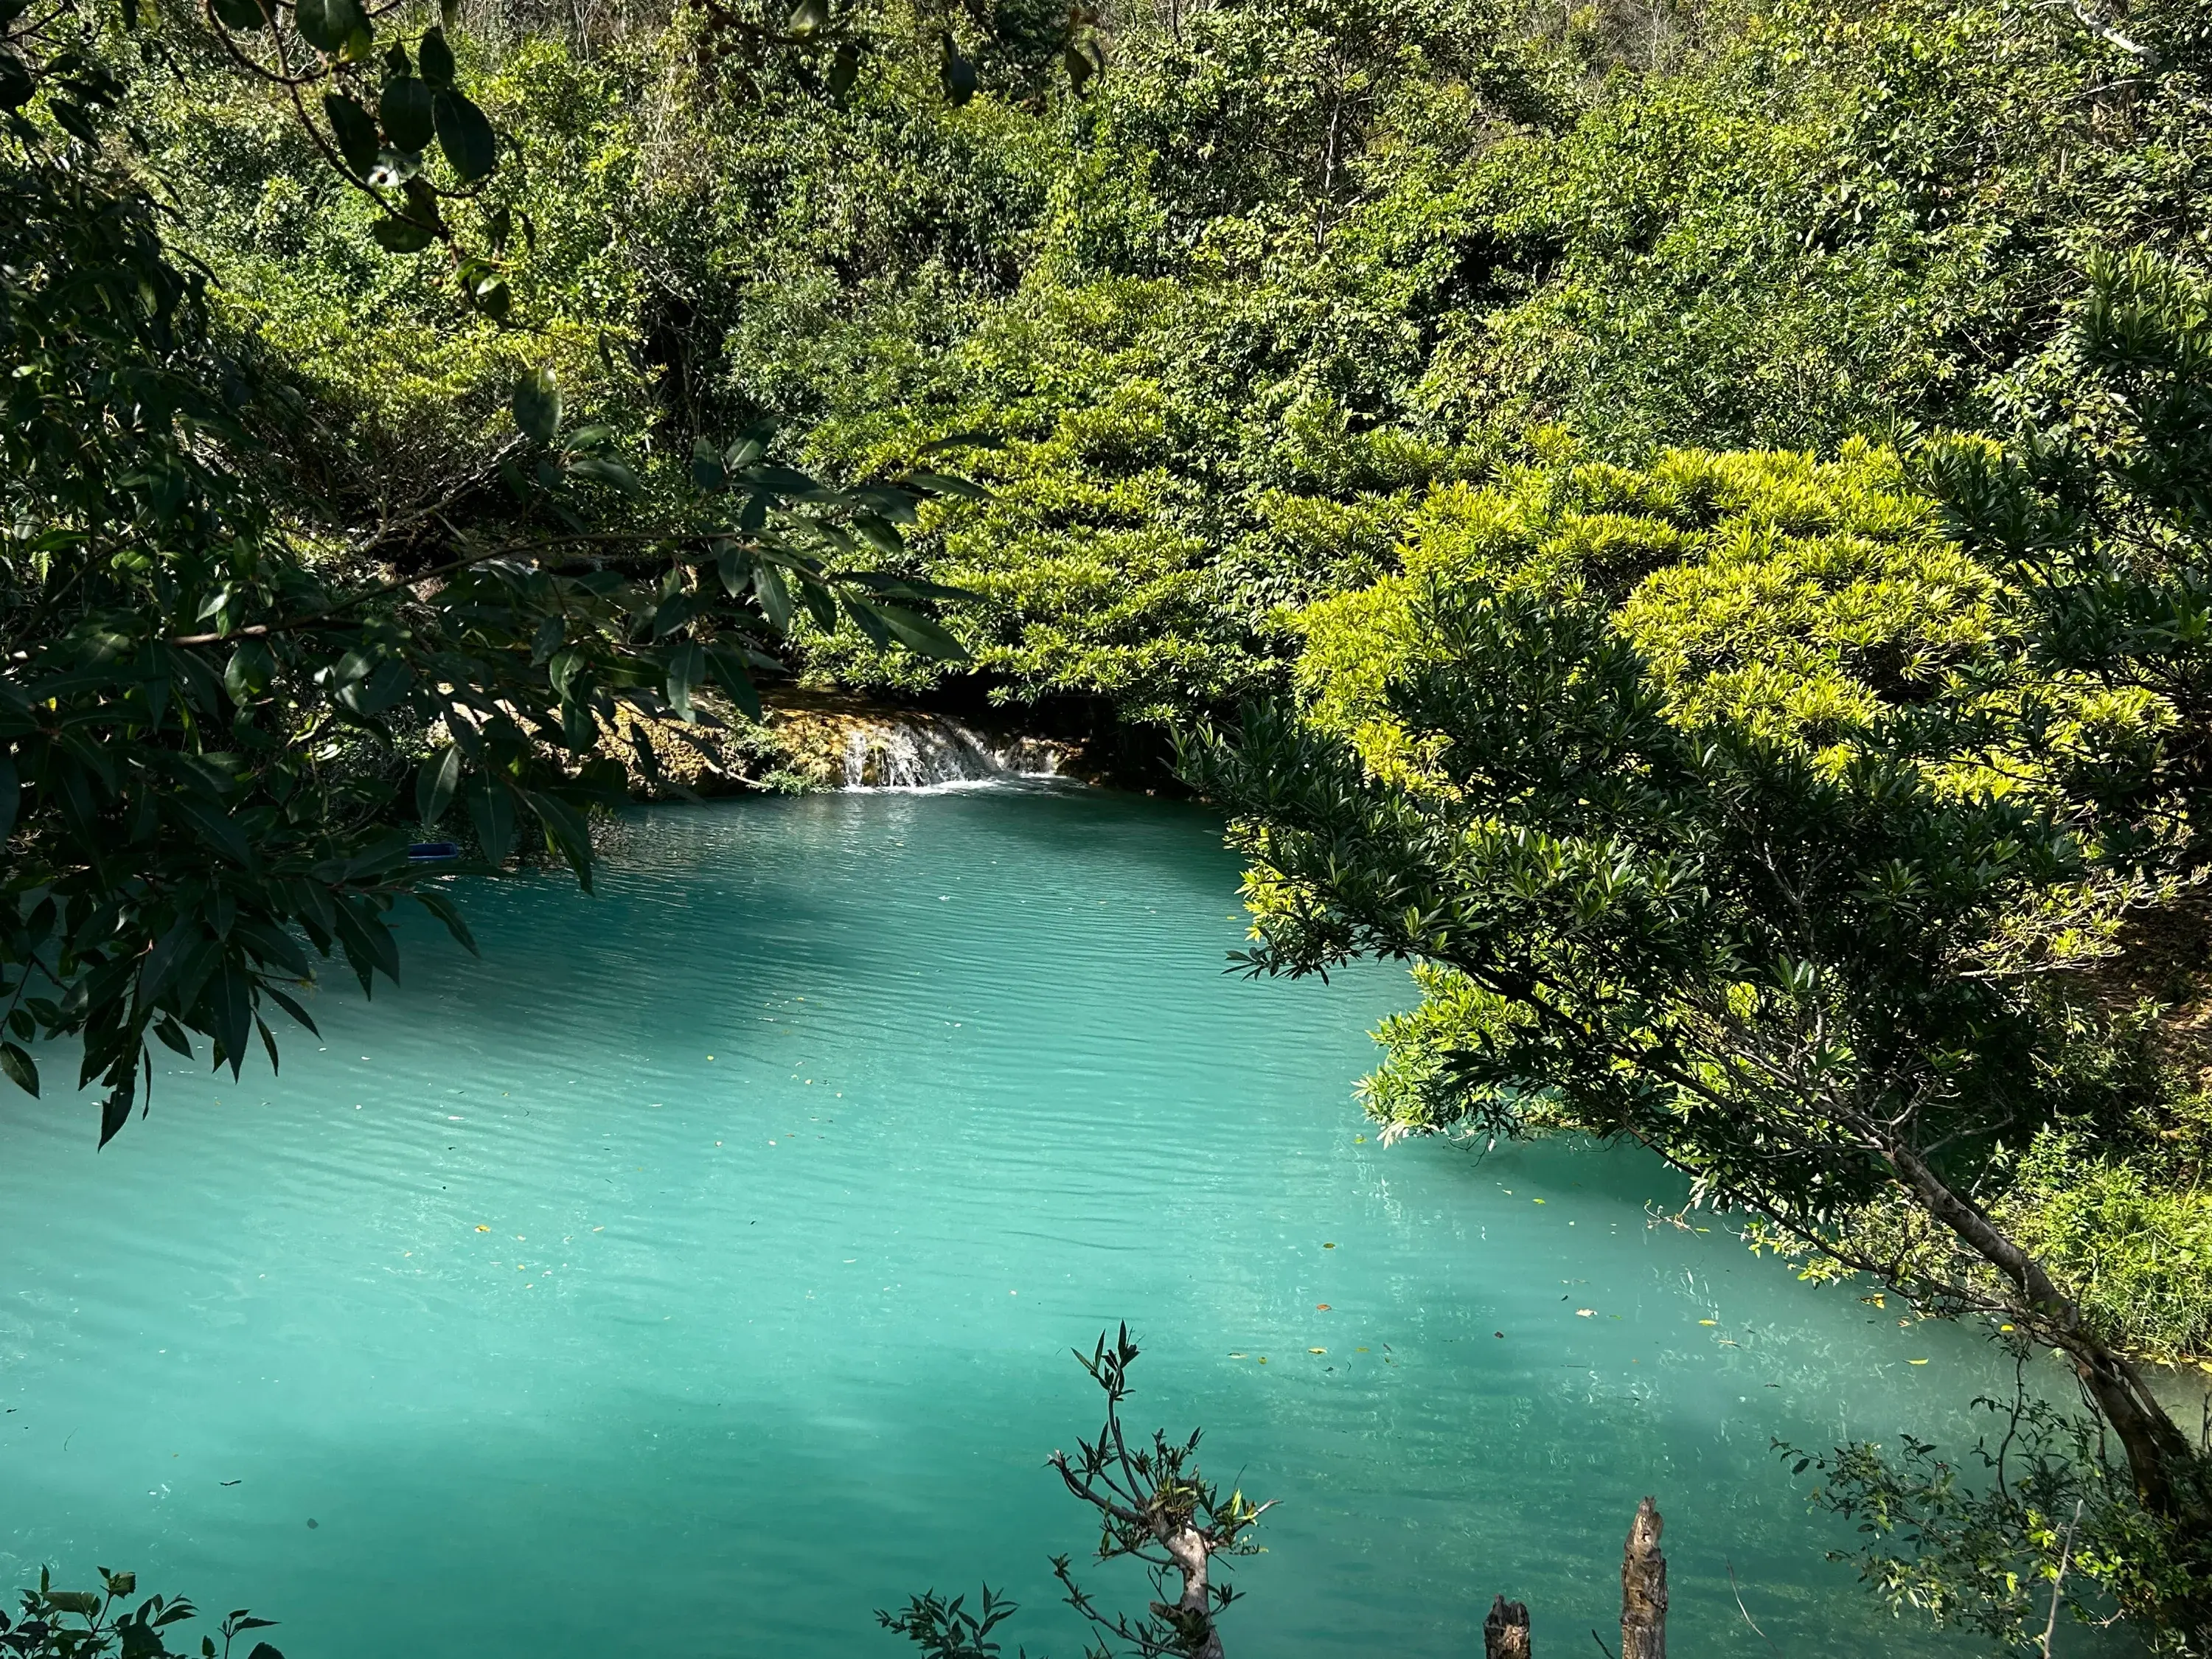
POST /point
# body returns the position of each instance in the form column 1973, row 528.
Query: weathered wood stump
column 1505, row 1632
column 1644, row 1587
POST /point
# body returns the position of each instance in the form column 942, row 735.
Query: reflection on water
column 697, row 1272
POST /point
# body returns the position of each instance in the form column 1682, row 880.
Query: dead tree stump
column 1505, row 1632
column 1644, row 1587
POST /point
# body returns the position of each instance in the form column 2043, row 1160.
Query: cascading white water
column 912, row 750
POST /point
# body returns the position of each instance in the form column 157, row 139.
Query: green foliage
column 102, row 1624
column 1538, row 399
column 211, row 719
column 1752, row 810
column 1154, row 1506
column 946, row 1630
column 2126, row 1221
column 2037, row 1524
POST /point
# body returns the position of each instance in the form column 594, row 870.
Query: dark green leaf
column 491, row 810
column 401, row 235
column 963, row 441
column 944, row 483
column 405, row 110
column 330, row 25
column 435, row 59
column 434, row 782
column 866, row 619
column 708, row 471
column 465, row 136
column 565, row 834
column 879, row 533
column 114, row 1113
column 169, row 953
column 921, row 633
column 231, row 1007
column 215, row 827
column 271, row 944
column 606, row 470
column 243, row 15
column 687, row 668
column 73, row 121
column 775, row 595
column 729, row 670
column 15, row 1060
column 353, row 130
column 289, row 1006
column 17, row 84
column 954, row 69
column 1084, row 61
column 367, row 940
column 537, row 404
column 442, row 907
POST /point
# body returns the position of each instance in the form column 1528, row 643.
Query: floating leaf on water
column 1317, row 1350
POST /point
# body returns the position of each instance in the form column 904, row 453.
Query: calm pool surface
column 697, row 1273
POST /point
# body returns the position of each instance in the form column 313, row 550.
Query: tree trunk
column 1644, row 1587
column 1193, row 1615
column 2165, row 1468
column 1505, row 1632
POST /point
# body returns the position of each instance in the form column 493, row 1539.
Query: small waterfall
column 911, row 750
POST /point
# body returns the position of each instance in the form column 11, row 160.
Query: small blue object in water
column 429, row 852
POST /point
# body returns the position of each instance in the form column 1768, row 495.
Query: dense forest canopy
column 1685, row 523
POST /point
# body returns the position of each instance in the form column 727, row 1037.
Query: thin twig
column 1746, row 1611
column 2051, row 1624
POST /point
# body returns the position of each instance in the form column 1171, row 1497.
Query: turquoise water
column 697, row 1273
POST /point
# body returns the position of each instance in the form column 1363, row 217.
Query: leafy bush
column 99, row 1624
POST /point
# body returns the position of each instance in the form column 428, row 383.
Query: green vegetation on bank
column 1689, row 521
